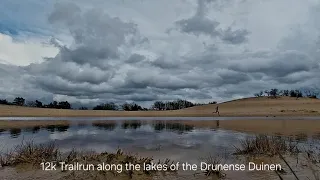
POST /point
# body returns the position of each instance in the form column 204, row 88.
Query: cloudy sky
column 95, row 51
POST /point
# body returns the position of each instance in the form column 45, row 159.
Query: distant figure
column 217, row 110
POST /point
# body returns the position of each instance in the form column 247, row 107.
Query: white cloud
column 23, row 53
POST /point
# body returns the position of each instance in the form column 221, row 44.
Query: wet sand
column 284, row 127
column 30, row 124
column 248, row 107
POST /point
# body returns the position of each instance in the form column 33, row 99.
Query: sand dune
column 261, row 106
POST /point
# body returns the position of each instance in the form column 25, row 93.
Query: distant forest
column 291, row 93
column 157, row 105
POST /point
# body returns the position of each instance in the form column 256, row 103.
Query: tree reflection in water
column 131, row 125
column 2, row 130
column 33, row 130
column 105, row 126
column 175, row 127
column 15, row 132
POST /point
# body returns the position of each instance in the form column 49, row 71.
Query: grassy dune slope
column 262, row 106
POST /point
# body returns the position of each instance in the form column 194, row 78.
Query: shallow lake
column 134, row 136
column 184, row 142
column 144, row 137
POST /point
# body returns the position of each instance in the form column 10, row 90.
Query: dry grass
column 313, row 164
column 261, row 106
column 266, row 145
column 31, row 154
column 214, row 160
column 270, row 146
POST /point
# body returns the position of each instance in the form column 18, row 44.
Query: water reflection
column 139, row 126
column 59, row 128
column 108, row 126
column 103, row 126
column 50, row 128
column 316, row 136
column 2, row 130
column 15, row 132
column 131, row 125
column 159, row 139
column 82, row 124
column 175, row 127
column 33, row 130
column 301, row 137
column 159, row 126
column 62, row 128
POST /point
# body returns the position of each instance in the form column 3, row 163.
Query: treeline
column 125, row 107
column 20, row 101
column 158, row 105
column 290, row 93
column 174, row 105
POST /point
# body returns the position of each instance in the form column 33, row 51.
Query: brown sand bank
column 283, row 127
column 30, row 124
column 262, row 106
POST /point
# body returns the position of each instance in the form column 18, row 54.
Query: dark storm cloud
column 138, row 97
column 68, row 12
column 234, row 37
column 88, row 66
column 135, row 58
column 276, row 65
column 200, row 24
column 296, row 77
column 15, row 82
column 88, row 54
column 164, row 63
column 230, row 77
column 161, row 81
column 58, row 85
column 97, row 36
column 216, row 77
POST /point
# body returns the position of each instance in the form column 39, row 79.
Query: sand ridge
column 260, row 106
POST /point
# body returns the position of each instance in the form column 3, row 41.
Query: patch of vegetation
column 31, row 154
column 216, row 173
column 312, row 163
column 263, row 145
column 266, row 145
column 274, row 93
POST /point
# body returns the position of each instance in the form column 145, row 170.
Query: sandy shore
column 30, row 124
column 263, row 106
column 272, row 127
